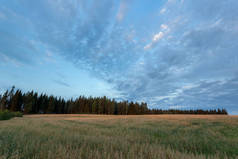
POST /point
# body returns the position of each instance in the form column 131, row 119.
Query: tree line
column 33, row 103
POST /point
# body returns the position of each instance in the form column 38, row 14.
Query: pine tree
column 16, row 101
column 3, row 101
column 28, row 103
column 51, row 105
column 94, row 107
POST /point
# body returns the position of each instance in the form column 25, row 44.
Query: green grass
column 6, row 115
column 109, row 137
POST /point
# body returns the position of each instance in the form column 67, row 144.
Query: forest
column 33, row 103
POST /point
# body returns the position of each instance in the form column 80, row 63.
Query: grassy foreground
column 95, row 136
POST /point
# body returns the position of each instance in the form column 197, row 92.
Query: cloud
column 148, row 46
column 164, row 27
column 177, row 58
column 62, row 83
column 212, row 93
column 158, row 36
column 162, row 11
column 16, row 49
column 204, row 52
column 5, row 59
column 122, row 10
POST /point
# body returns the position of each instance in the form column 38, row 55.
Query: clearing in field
column 107, row 136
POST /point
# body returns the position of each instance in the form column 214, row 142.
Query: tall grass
column 104, row 137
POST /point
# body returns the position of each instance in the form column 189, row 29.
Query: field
column 108, row 136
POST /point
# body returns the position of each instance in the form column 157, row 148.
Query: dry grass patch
column 107, row 136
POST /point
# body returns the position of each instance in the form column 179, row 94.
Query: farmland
column 124, row 136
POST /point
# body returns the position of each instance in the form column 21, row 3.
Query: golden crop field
column 108, row 136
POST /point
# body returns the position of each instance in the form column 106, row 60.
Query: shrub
column 6, row 115
column 18, row 114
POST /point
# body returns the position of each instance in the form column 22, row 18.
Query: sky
column 172, row 54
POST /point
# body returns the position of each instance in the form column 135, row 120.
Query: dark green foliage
column 5, row 115
column 32, row 103
column 17, row 114
column 4, row 101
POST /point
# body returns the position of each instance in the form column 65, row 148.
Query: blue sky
column 168, row 53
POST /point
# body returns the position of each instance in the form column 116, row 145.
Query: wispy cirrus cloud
column 62, row 83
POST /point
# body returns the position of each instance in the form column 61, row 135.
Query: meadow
column 119, row 137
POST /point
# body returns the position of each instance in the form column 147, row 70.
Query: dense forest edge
column 31, row 102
